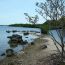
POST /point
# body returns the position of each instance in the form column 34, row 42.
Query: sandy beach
column 33, row 53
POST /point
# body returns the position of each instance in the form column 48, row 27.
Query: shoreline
column 33, row 53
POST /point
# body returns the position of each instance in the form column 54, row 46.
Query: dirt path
column 32, row 53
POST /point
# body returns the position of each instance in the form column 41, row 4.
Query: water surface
column 4, row 40
column 56, row 33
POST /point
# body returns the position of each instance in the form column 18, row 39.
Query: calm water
column 56, row 35
column 4, row 40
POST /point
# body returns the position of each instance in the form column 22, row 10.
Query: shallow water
column 56, row 35
column 4, row 40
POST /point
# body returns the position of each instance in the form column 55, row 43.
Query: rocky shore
column 33, row 54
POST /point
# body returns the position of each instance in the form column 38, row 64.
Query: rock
column 15, row 38
column 43, row 47
column 24, row 42
column 3, row 54
column 26, row 37
column 26, row 33
column 32, row 43
column 8, row 36
column 12, row 45
column 14, row 31
column 9, row 52
column 8, row 31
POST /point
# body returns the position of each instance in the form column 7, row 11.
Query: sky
column 12, row 11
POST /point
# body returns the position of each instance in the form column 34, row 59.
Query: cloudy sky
column 12, row 11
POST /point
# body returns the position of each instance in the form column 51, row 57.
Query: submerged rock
column 9, row 52
column 14, row 31
column 24, row 42
column 26, row 33
column 12, row 45
column 8, row 31
column 3, row 54
column 15, row 38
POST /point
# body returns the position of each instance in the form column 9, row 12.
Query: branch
column 55, row 39
column 41, row 14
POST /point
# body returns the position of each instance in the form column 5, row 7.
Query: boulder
column 24, row 42
column 8, row 31
column 15, row 38
column 9, row 52
column 43, row 46
column 32, row 43
column 26, row 33
column 13, row 45
column 3, row 54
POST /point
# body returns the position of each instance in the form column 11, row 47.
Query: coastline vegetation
column 55, row 24
column 43, row 27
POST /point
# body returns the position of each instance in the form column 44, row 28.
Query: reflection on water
column 56, row 33
column 6, row 31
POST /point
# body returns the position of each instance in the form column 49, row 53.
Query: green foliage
column 25, row 25
column 43, row 27
column 50, row 24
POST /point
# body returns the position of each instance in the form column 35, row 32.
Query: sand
column 32, row 53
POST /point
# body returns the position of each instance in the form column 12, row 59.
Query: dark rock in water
column 3, row 54
column 32, row 43
column 26, row 37
column 14, row 31
column 24, row 42
column 15, row 41
column 9, row 37
column 8, row 31
column 12, row 45
column 9, row 52
column 15, row 38
column 26, row 33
